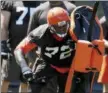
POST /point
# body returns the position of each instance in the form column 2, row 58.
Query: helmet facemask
column 60, row 29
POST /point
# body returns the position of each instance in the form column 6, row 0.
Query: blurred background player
column 103, row 76
column 14, row 23
column 39, row 16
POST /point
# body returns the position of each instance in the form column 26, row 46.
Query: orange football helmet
column 58, row 20
column 57, row 14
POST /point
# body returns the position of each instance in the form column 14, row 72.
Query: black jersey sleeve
column 6, row 5
column 36, row 36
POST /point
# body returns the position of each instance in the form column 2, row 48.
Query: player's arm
column 30, row 42
column 5, row 18
column 34, row 19
column 6, row 8
column 24, row 47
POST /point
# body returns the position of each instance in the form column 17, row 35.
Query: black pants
column 80, row 83
column 48, row 80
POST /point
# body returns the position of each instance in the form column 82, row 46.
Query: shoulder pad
column 39, row 31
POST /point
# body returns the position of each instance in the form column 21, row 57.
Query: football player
column 38, row 18
column 57, row 52
column 103, row 76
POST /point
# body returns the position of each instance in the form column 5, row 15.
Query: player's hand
column 5, row 55
column 27, row 73
column 5, row 50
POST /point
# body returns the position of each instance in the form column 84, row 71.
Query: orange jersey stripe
column 26, row 45
column 60, row 70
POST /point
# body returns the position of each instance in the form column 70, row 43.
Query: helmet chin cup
column 61, row 35
column 60, row 29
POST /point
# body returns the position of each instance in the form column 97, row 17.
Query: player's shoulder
column 6, row 5
column 10, row 5
column 39, row 31
column 18, row 4
column 27, row 3
column 70, row 6
column 42, row 7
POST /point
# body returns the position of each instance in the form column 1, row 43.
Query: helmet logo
column 60, row 17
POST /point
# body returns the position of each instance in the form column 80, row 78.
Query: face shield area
column 60, row 29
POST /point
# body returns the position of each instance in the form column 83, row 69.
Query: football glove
column 27, row 74
column 5, row 50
